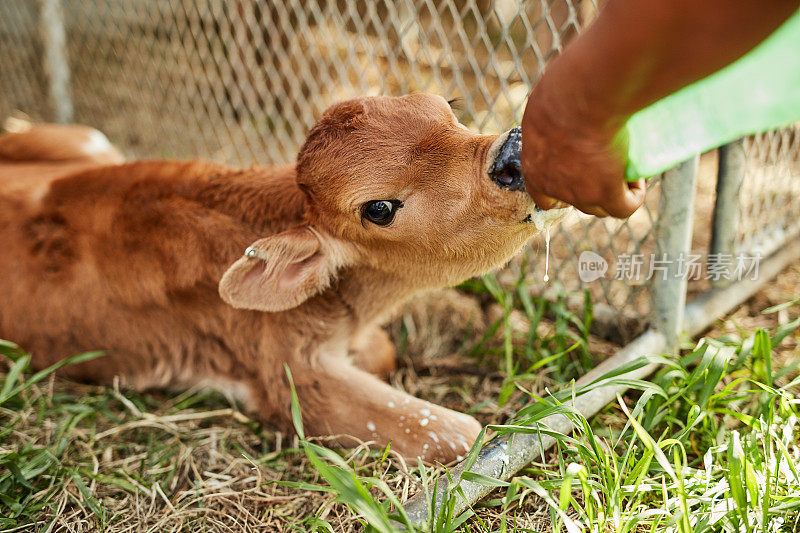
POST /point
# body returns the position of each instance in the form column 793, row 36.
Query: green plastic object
column 758, row 92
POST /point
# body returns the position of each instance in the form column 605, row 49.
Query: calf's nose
column 505, row 169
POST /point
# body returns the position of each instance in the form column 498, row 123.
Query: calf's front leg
column 342, row 401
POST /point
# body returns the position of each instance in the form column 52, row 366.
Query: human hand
column 568, row 159
column 633, row 54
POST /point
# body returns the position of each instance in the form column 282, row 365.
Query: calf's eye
column 380, row 212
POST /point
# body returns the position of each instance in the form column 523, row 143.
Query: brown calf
column 389, row 197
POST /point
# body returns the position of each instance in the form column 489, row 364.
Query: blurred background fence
column 241, row 81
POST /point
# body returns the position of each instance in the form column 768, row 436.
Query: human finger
column 626, row 200
column 545, row 202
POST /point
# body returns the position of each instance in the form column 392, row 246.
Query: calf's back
column 128, row 258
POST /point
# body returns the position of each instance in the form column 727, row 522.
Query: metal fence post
column 726, row 205
column 55, row 64
column 673, row 241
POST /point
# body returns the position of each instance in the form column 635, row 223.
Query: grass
column 709, row 444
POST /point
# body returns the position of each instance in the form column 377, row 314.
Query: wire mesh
column 241, row 81
column 770, row 196
column 22, row 80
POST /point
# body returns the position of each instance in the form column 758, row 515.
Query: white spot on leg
column 408, row 430
column 425, row 412
column 391, row 405
column 433, row 436
column 371, row 426
column 96, row 144
column 423, row 422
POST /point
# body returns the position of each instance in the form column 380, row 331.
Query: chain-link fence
column 770, row 195
column 242, row 81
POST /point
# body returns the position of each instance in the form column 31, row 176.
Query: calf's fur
column 145, row 260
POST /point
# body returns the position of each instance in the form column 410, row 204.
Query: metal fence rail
column 241, row 81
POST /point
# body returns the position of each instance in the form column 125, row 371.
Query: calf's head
column 396, row 186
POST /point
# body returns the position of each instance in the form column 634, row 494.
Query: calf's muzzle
column 505, row 170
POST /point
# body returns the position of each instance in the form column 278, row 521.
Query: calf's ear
column 282, row 271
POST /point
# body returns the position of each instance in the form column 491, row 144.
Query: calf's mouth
column 506, row 172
